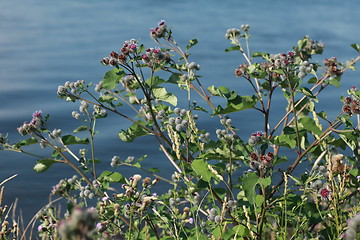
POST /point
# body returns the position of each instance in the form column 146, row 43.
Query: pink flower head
column 37, row 114
column 156, row 50
column 132, row 46
column 144, row 56
column 40, row 228
column 99, row 226
column 191, row 220
column 325, row 193
column 162, row 22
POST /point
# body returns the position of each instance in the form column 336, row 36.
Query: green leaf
column 236, row 103
column 306, row 92
column 260, row 54
column 112, row 177
column 249, row 182
column 107, row 98
column 220, row 91
column 160, row 93
column 233, row 48
column 355, row 46
column 112, row 78
column 322, row 115
column 335, row 82
column 80, row 129
column 133, row 132
column 264, row 181
column 309, row 125
column 26, row 142
column 174, row 78
column 192, row 43
column 278, row 160
column 200, row 166
column 221, row 192
column 43, row 165
column 198, row 108
column 70, row 140
column 154, row 81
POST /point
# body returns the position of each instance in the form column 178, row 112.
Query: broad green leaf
column 249, row 182
column 221, row 192
column 192, row 43
column 218, row 91
column 236, row 103
column 112, row 78
column 200, row 166
column 112, row 177
column 160, row 93
column 259, row 200
column 174, row 78
column 43, row 165
column 309, row 125
column 264, row 181
column 233, row 48
column 70, row 140
column 335, row 81
column 26, row 142
column 154, row 81
column 133, row 132
column 351, row 139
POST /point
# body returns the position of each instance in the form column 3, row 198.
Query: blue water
column 45, row 43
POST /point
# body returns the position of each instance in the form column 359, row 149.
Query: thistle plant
column 225, row 185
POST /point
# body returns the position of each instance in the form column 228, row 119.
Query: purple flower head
column 37, row 114
column 325, row 193
column 40, row 228
column 156, row 50
column 132, row 46
column 191, row 220
column 104, row 199
column 162, row 22
column 99, row 226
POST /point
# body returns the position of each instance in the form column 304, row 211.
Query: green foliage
column 297, row 178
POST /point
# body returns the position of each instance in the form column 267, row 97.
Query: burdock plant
column 226, row 187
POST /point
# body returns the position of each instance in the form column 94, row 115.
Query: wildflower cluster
column 261, row 162
column 159, row 31
column 304, row 68
column 256, row 138
column 153, row 56
column 332, row 66
column 307, row 47
column 180, row 123
column 34, row 125
column 208, row 182
column 71, row 87
column 351, row 104
column 282, row 60
column 241, row 70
